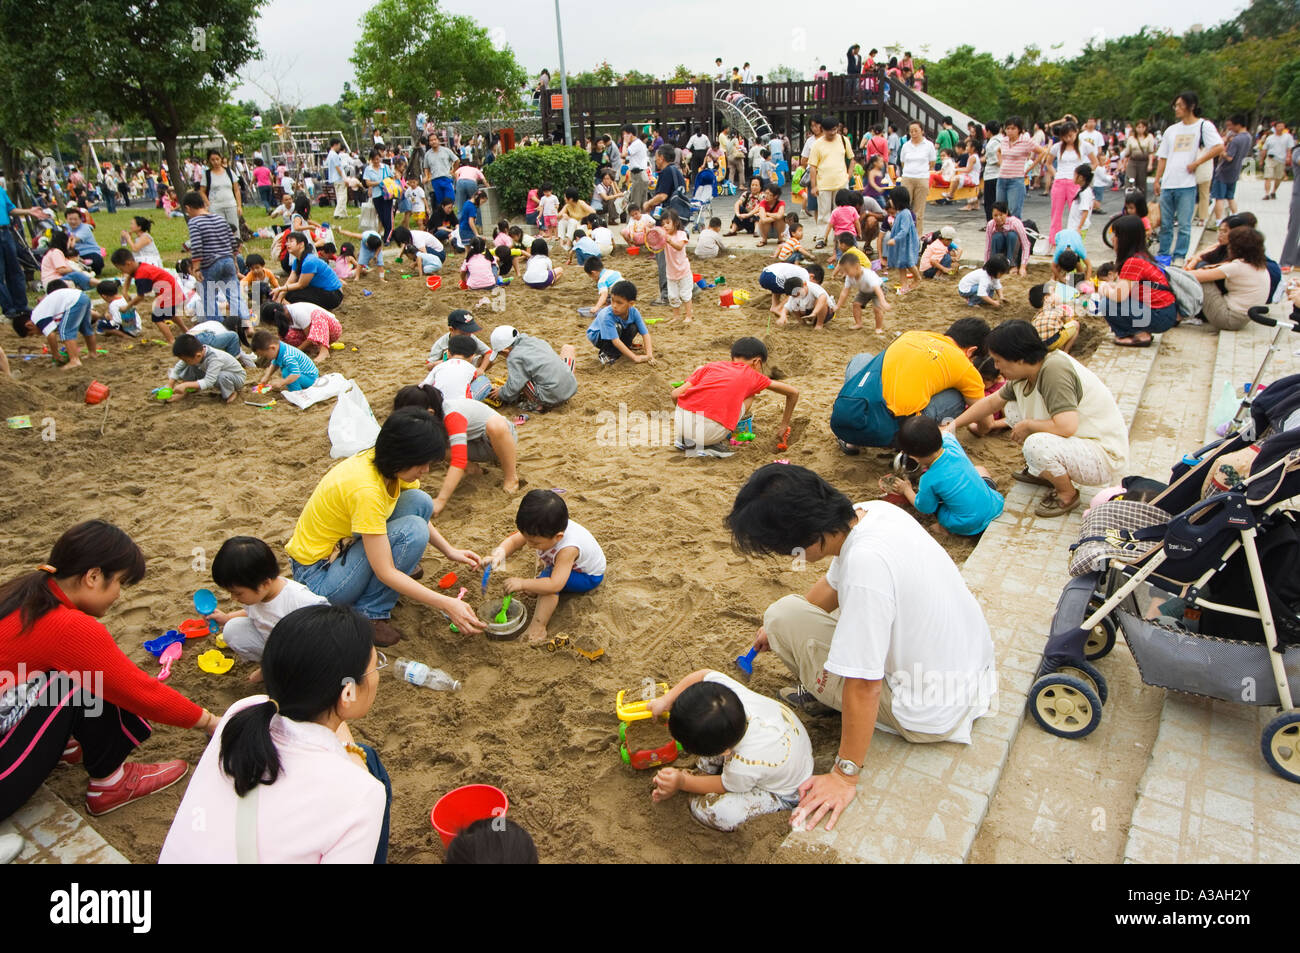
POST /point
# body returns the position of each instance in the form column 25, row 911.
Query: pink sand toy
column 169, row 655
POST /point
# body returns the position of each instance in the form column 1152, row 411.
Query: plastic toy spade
column 500, row 618
column 487, row 574
column 205, row 603
column 169, row 655
column 746, row 662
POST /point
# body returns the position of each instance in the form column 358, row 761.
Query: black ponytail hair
column 273, row 312
column 94, row 544
column 425, row 396
column 311, row 654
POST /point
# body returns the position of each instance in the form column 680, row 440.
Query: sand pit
column 183, row 477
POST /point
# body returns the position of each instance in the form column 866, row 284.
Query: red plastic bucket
column 633, row 249
column 96, row 392
column 464, row 285
column 726, row 299
column 697, row 277
column 458, row 809
column 433, row 282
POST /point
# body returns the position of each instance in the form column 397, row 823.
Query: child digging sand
column 246, row 568
column 982, row 286
column 962, row 494
column 753, row 752
column 203, row 368
column 866, row 287
column 616, row 326
column 572, row 560
column 713, row 401
column 297, row 370
column 537, row 377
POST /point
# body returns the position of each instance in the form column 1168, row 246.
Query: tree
column 602, row 75
column 1269, row 17
column 1288, row 89
column 32, row 98
column 418, row 56
column 166, row 61
column 681, row 74
column 1247, row 77
column 1166, row 71
column 235, row 122
column 784, row 74
column 971, row 81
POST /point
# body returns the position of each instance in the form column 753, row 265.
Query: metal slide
column 743, row 113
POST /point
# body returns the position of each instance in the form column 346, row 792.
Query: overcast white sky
column 765, row 33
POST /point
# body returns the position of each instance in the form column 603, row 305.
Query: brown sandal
column 1051, row 505
column 1024, row 476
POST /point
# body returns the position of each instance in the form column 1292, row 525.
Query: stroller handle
column 1260, row 315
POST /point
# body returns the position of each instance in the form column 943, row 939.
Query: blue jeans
column 465, row 189
column 13, row 283
column 76, row 320
column 221, row 280
column 1012, row 191
column 943, row 406
column 349, row 580
column 377, row 771
column 1006, row 243
column 110, row 200
column 1176, row 203
column 78, row 279
column 1127, row 317
column 227, row 341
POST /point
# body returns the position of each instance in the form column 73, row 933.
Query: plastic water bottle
column 417, row 673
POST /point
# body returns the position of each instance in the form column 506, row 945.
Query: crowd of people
column 891, row 598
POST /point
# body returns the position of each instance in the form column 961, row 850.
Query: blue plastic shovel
column 746, row 662
column 205, row 603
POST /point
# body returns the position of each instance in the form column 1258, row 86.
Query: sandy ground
column 183, row 477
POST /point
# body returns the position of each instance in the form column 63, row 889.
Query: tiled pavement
column 56, row 834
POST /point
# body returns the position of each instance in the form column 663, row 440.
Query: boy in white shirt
column 710, row 244
column 866, row 287
column 246, row 568
column 456, row 376
column 603, row 237
column 415, row 198
column 982, row 286
column 753, row 752
column 1081, row 205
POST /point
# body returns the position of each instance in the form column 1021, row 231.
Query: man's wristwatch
column 850, row 769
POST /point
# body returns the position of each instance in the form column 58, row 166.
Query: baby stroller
column 701, row 208
column 1206, row 591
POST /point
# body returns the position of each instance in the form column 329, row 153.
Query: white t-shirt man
column 1278, row 146
column 698, row 142
column 917, row 160
column 775, row 753
column 1179, row 146
column 1096, row 139
column 637, row 156
column 905, row 615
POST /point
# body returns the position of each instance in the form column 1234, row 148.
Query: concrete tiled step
column 56, row 834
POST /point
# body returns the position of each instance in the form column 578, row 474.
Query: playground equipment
column 741, row 112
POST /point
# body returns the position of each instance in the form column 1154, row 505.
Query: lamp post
column 564, row 83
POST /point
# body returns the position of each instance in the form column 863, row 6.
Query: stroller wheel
column 1087, row 672
column 1281, row 745
column 1064, row 705
column 1101, row 639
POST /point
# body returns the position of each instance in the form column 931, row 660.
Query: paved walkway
column 56, row 834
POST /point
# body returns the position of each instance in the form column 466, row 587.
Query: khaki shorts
column 1274, row 169
column 692, row 428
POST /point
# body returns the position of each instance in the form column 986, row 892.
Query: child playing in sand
column 1055, row 317
column 710, row 244
column 782, row 280
column 572, row 560
column 461, row 323
column 605, row 279
column 812, row 304
column 537, row 377
column 457, row 376
column 638, row 223
column 602, row 236
column 169, row 295
column 681, row 282
column 369, row 251
column 866, row 288
column 138, row 238
column 938, row 255
column 258, row 282
column 297, row 370
column 616, row 326
column 539, row 272
column 791, row 251
column 479, row 270
column 903, row 247
column 962, row 494
column 584, row 247
column 203, row 368
column 574, row 213
column 113, row 317
column 247, row 569
column 982, row 286
column 753, row 753
column 306, row 326
column 59, row 317
column 712, row 401
column 548, row 210
column 847, row 246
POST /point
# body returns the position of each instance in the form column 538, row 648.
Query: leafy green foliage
column 522, row 169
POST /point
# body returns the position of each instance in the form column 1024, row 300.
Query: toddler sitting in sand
column 752, row 752
column 961, row 493
column 572, row 560
column 246, row 568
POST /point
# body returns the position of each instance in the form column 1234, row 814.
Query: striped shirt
column 1015, row 155
column 788, row 248
column 1013, row 224
column 210, row 239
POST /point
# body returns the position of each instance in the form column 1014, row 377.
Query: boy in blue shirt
column 617, row 325
column 84, row 241
column 964, row 495
column 297, row 370
column 585, row 247
column 605, row 278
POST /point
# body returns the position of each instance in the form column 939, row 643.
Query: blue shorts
column 577, row 582
column 1223, row 190
column 770, row 282
column 365, row 256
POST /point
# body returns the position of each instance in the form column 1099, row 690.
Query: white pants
column 1046, row 454
column 340, row 200
column 679, row 290
column 726, row 812
column 244, row 639
column 565, row 228
column 696, row 429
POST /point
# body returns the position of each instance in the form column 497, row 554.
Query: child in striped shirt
column 791, row 250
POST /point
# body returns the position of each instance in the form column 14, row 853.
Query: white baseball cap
column 503, row 337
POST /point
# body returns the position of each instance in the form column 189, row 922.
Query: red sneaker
column 137, row 781
column 72, row 753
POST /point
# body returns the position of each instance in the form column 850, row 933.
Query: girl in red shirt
column 1139, row 303
column 67, row 692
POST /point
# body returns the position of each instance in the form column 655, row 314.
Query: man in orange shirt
column 919, row 373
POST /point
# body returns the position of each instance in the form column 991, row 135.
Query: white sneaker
column 247, row 359
column 11, row 845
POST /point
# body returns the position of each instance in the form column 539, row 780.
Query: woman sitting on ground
column 1069, row 423
column 287, row 761
column 1139, row 303
column 82, row 700
column 1217, row 253
column 1238, row 284
column 310, row 279
column 746, row 218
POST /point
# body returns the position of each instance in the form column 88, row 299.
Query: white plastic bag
column 352, row 427
column 369, row 217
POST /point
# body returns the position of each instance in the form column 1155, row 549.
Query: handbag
column 1204, row 171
